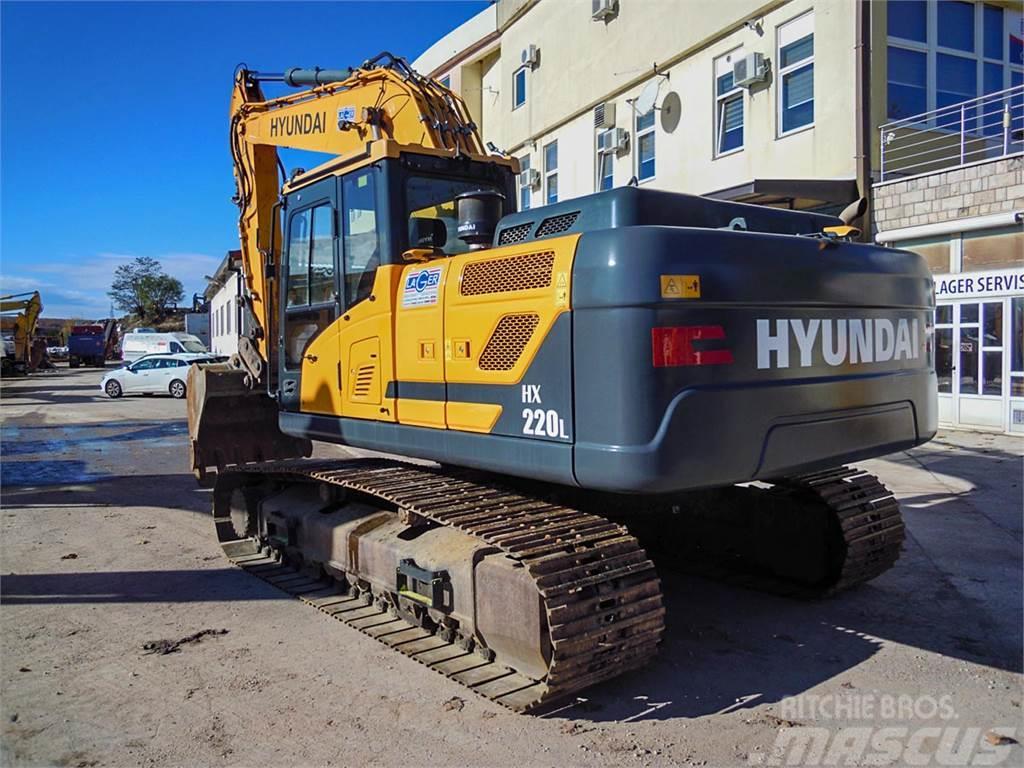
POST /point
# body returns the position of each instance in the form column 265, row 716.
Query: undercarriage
column 528, row 594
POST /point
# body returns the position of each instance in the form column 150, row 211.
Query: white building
column 918, row 106
column 228, row 321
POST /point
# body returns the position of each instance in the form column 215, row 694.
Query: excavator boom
column 375, row 110
column 28, row 306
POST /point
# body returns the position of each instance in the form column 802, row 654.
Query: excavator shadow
column 153, row 587
column 76, row 485
column 727, row 648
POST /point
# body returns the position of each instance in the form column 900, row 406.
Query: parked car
column 154, row 374
column 145, row 342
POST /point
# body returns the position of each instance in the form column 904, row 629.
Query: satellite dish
column 645, row 101
column 671, row 111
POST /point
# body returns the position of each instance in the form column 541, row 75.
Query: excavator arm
column 378, row 108
column 344, row 114
column 28, row 306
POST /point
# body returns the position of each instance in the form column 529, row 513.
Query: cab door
column 365, row 330
column 307, row 380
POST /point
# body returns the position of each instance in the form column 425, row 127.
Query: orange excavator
column 23, row 354
column 562, row 380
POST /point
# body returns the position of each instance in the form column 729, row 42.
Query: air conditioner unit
column 612, row 141
column 751, row 69
column 602, row 10
column 530, row 56
column 604, row 115
column 530, row 178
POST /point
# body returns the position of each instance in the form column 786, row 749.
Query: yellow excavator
column 562, row 381
column 24, row 355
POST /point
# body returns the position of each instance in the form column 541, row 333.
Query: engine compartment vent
column 363, row 384
column 515, row 234
column 556, row 224
column 513, row 273
column 508, row 341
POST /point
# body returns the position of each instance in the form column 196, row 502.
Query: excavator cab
column 341, row 231
column 337, row 232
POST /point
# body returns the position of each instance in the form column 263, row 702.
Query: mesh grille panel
column 508, row 341
column 516, row 273
column 515, row 234
column 557, row 224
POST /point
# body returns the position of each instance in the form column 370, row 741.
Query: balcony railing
column 985, row 128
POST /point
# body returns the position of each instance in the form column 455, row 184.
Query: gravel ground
column 106, row 545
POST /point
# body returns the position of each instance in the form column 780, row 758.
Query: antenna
column 644, row 103
column 671, row 110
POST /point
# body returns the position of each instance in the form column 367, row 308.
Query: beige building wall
column 584, row 63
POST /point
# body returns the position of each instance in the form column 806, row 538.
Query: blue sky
column 114, row 132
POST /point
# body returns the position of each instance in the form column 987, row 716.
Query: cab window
column 321, row 260
column 361, row 241
column 309, row 305
column 298, row 259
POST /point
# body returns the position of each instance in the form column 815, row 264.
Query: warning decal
column 680, row 286
column 562, row 291
column 421, row 287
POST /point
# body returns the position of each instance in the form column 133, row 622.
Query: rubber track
column 601, row 594
column 867, row 514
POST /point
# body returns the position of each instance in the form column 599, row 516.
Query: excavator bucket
column 231, row 423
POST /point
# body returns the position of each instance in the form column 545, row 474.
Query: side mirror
column 427, row 233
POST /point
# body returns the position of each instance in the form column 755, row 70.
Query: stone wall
column 976, row 190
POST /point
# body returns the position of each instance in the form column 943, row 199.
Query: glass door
column 1015, row 350
column 978, row 375
column 945, row 362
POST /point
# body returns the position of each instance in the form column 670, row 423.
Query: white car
column 154, row 373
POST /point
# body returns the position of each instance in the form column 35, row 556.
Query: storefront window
column 993, row 367
column 994, row 249
column 969, row 358
column 993, row 313
column 1017, row 348
column 934, row 250
column 944, row 359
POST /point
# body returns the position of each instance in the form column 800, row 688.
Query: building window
column 645, row 146
column 796, row 74
column 519, row 88
column 943, row 53
column 524, row 189
column 728, row 105
column 605, row 170
column 551, row 172
column 992, row 249
column 1017, row 347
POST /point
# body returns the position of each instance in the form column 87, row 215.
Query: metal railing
column 985, row 128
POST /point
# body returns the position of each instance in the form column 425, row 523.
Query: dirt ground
column 106, row 545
